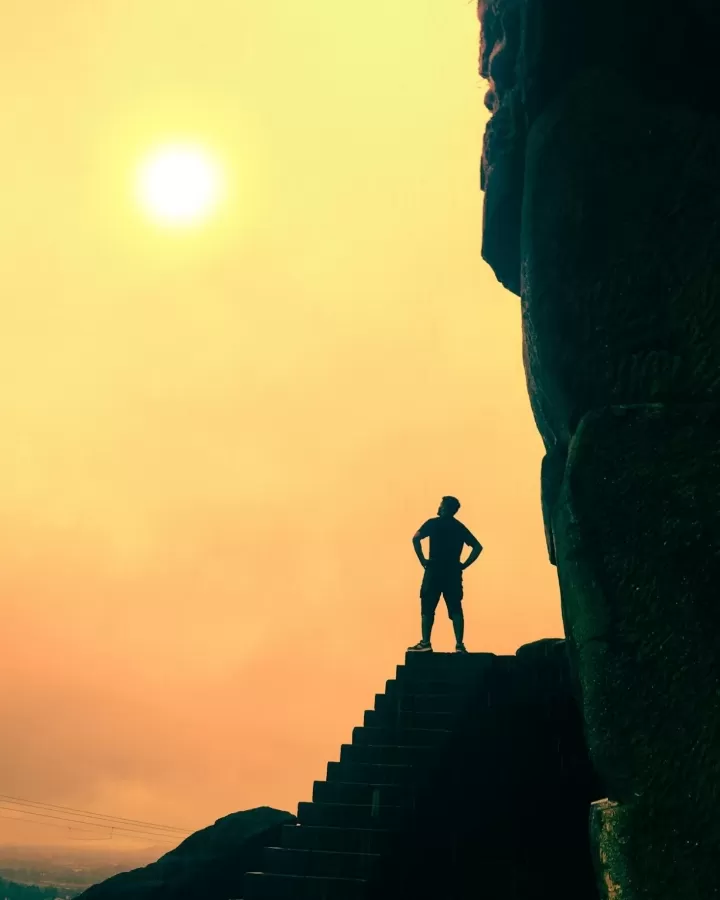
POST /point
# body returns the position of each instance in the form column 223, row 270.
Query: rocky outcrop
column 532, row 50
column 210, row 864
column 601, row 170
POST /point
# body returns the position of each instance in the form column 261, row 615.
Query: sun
column 179, row 185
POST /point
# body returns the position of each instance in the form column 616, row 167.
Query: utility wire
column 67, row 828
column 118, row 828
column 46, row 824
column 84, row 812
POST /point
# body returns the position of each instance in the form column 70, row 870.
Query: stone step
column 403, row 737
column 347, row 792
column 444, row 661
column 419, row 686
column 340, row 840
column 404, row 719
column 345, row 815
column 324, row 863
column 261, row 886
column 371, row 773
column 421, row 703
column 389, row 754
column 390, row 688
column 451, row 674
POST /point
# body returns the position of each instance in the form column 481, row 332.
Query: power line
column 93, row 815
column 158, row 840
column 117, row 828
column 35, row 822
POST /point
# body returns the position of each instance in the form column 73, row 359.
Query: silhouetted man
column 443, row 570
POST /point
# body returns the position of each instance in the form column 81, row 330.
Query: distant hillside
column 11, row 890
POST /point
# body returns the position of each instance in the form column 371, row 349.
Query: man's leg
column 429, row 599
column 427, row 621
column 458, row 624
column 453, row 598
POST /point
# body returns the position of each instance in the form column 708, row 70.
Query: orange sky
column 217, row 444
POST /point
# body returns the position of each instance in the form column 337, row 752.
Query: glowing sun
column 179, row 185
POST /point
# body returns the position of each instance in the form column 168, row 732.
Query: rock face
column 210, row 864
column 601, row 171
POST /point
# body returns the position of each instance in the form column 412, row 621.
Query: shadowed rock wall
column 601, row 171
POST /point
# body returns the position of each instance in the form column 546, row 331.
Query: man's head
column 448, row 506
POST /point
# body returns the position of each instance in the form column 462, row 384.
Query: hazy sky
column 217, row 444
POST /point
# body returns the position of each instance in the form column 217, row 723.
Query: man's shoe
column 420, row 647
column 460, row 648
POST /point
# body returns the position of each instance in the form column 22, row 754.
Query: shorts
column 449, row 583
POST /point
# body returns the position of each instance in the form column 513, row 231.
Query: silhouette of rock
column 601, row 170
column 210, row 864
column 550, row 651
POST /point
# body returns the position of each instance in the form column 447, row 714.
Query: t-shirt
column 447, row 536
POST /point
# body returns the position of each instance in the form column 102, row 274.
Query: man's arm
column 476, row 550
column 421, row 533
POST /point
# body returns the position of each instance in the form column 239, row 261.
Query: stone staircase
column 359, row 814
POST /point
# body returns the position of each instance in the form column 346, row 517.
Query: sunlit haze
column 218, row 441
